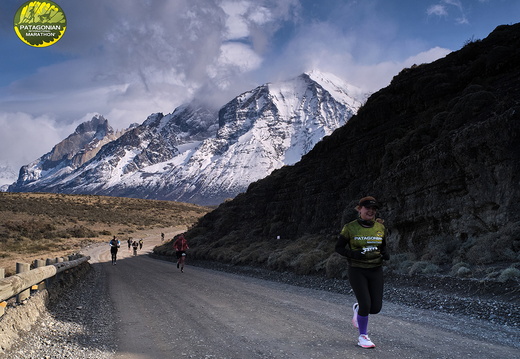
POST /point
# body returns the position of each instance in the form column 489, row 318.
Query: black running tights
column 367, row 284
column 114, row 254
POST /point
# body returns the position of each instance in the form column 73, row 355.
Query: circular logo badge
column 40, row 23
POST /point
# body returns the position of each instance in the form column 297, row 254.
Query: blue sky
column 128, row 59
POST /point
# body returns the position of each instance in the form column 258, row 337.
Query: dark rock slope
column 439, row 147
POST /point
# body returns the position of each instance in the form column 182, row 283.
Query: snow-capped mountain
column 7, row 176
column 203, row 155
column 68, row 155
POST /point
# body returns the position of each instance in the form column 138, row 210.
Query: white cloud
column 240, row 56
column 426, row 56
column 236, row 21
column 443, row 9
column 374, row 77
column 261, row 16
column 24, row 138
column 438, row 10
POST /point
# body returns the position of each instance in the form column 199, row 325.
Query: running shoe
column 355, row 308
column 365, row 342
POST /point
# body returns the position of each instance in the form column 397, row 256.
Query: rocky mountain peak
column 98, row 124
column 78, row 148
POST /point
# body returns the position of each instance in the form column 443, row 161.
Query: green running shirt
column 370, row 240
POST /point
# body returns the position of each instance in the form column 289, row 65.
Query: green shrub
column 423, row 267
column 336, row 267
column 196, row 231
column 200, row 252
column 225, row 255
column 493, row 275
column 256, row 253
column 81, row 232
column 510, row 273
column 463, row 272
column 400, row 262
column 305, row 263
column 461, row 269
column 281, row 259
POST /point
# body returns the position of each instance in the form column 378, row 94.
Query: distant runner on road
column 114, row 245
column 181, row 245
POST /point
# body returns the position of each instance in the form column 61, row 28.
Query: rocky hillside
column 439, row 147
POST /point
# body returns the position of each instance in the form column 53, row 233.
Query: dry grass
column 44, row 225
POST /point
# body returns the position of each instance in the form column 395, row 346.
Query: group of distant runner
column 115, row 244
column 180, row 245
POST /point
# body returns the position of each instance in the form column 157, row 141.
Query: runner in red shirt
column 181, row 245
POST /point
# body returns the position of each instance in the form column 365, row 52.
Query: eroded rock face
column 439, row 147
column 71, row 153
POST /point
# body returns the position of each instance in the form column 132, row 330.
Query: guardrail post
column 21, row 268
column 58, row 260
column 4, row 303
column 48, row 281
column 37, row 264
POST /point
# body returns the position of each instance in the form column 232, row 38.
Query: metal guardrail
column 15, row 284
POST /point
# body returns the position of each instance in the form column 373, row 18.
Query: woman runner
column 363, row 243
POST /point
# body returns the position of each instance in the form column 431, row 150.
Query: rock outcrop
column 71, row 153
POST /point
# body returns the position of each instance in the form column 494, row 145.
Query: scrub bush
column 423, row 267
column 510, row 273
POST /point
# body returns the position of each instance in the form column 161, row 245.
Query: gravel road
column 145, row 308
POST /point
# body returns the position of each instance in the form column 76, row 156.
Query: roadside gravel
column 81, row 324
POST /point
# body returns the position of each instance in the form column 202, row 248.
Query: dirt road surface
column 203, row 314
